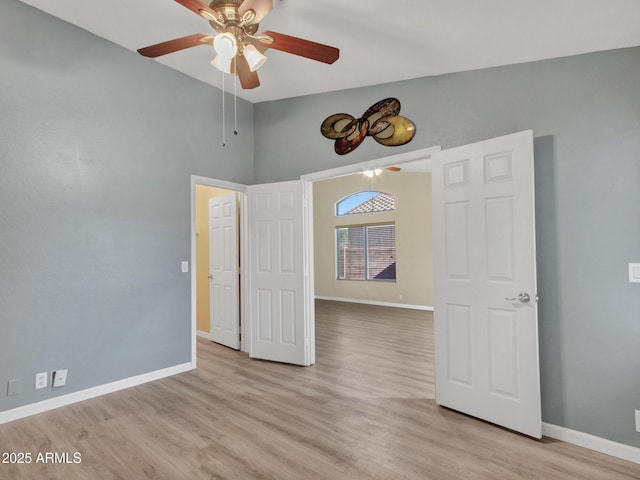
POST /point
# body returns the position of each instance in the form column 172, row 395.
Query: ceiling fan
column 377, row 171
column 238, row 48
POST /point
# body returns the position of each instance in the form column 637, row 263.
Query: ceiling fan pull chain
column 224, row 143
column 235, row 99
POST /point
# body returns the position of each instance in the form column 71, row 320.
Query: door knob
column 522, row 296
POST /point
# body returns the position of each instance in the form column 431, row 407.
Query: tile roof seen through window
column 380, row 203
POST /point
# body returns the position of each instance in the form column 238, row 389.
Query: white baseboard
column 202, row 334
column 63, row 400
column 602, row 445
column 374, row 302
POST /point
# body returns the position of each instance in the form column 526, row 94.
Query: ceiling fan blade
column 301, row 47
column 248, row 79
column 196, row 7
column 171, row 46
column 261, row 7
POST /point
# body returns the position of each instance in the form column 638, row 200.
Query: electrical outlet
column 42, row 380
column 59, row 378
column 185, row 267
column 638, row 421
column 14, row 387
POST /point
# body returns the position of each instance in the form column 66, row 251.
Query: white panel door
column 279, row 319
column 485, row 318
column 223, row 270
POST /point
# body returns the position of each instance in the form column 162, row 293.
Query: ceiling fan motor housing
column 229, row 16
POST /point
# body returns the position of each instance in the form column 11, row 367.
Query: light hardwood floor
column 364, row 411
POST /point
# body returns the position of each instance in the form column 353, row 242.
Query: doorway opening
column 383, row 313
column 372, row 238
column 218, row 265
column 206, row 195
column 373, row 277
column 419, row 159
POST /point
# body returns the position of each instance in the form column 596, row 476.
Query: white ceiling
column 379, row 40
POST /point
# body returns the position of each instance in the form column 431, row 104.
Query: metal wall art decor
column 381, row 121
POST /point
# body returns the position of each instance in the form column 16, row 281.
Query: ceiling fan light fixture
column 254, row 57
column 225, row 45
column 372, row 173
column 222, row 63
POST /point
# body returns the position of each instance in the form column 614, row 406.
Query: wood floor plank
column 366, row 410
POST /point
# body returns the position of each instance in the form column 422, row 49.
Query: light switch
column 59, row 378
column 185, row 267
column 14, row 387
column 634, row 272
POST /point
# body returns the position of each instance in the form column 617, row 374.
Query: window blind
column 366, row 252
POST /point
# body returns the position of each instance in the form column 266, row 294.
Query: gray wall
column 96, row 148
column 585, row 114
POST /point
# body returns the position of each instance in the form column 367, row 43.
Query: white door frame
column 423, row 154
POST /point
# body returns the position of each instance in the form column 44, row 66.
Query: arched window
column 366, row 202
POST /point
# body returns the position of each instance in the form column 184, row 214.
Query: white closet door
column 223, row 270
